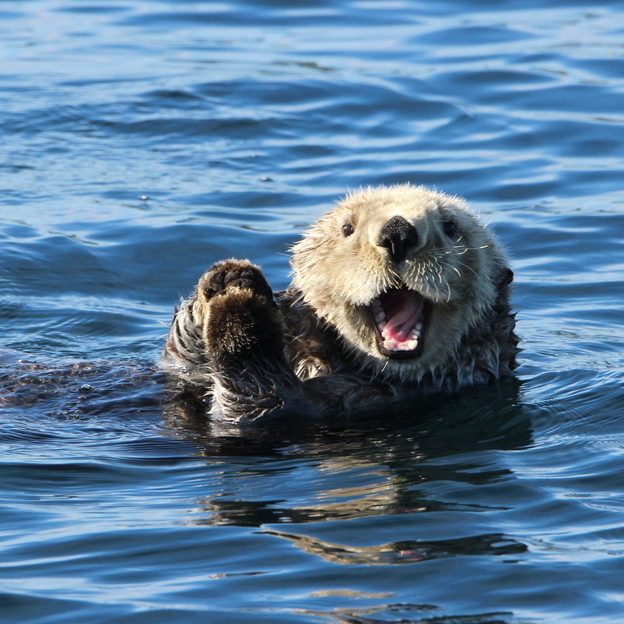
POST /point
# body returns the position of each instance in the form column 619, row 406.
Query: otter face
column 403, row 273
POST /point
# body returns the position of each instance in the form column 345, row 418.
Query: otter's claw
column 234, row 275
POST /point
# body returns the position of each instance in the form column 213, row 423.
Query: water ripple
column 142, row 142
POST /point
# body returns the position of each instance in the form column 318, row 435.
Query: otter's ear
column 506, row 277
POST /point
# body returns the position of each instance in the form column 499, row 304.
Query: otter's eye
column 347, row 229
column 449, row 228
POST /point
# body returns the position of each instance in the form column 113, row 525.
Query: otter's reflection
column 409, row 551
column 406, row 613
column 317, row 473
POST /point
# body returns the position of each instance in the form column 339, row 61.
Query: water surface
column 142, row 141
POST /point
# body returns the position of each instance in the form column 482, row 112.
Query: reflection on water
column 386, row 461
column 404, row 552
column 410, row 614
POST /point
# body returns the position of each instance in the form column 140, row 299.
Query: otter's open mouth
column 400, row 318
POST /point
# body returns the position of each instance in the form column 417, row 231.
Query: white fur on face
column 454, row 268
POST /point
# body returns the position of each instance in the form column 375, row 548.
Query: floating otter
column 397, row 293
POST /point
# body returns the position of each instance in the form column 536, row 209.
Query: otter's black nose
column 398, row 236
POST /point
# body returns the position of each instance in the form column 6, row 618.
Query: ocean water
column 143, row 140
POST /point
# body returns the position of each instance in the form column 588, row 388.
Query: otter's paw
column 230, row 276
column 243, row 320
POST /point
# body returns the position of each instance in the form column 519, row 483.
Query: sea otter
column 397, row 293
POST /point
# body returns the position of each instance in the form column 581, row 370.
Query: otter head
column 404, row 274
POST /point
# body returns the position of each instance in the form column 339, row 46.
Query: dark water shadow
column 79, row 390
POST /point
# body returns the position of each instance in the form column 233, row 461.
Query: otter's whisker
column 465, row 249
column 466, row 266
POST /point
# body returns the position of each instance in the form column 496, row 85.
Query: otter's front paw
column 243, row 320
column 229, row 276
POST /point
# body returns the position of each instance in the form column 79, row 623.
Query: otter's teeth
column 396, row 333
column 392, row 345
column 378, row 312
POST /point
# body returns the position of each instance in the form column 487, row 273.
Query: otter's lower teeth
column 379, row 315
column 391, row 345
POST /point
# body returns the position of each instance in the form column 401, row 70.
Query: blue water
column 143, row 140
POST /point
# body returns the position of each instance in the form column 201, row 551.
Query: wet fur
column 311, row 350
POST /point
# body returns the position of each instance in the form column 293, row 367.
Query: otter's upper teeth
column 378, row 311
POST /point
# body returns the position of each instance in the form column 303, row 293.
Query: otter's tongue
column 402, row 324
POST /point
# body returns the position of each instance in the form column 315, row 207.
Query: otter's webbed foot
column 243, row 342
